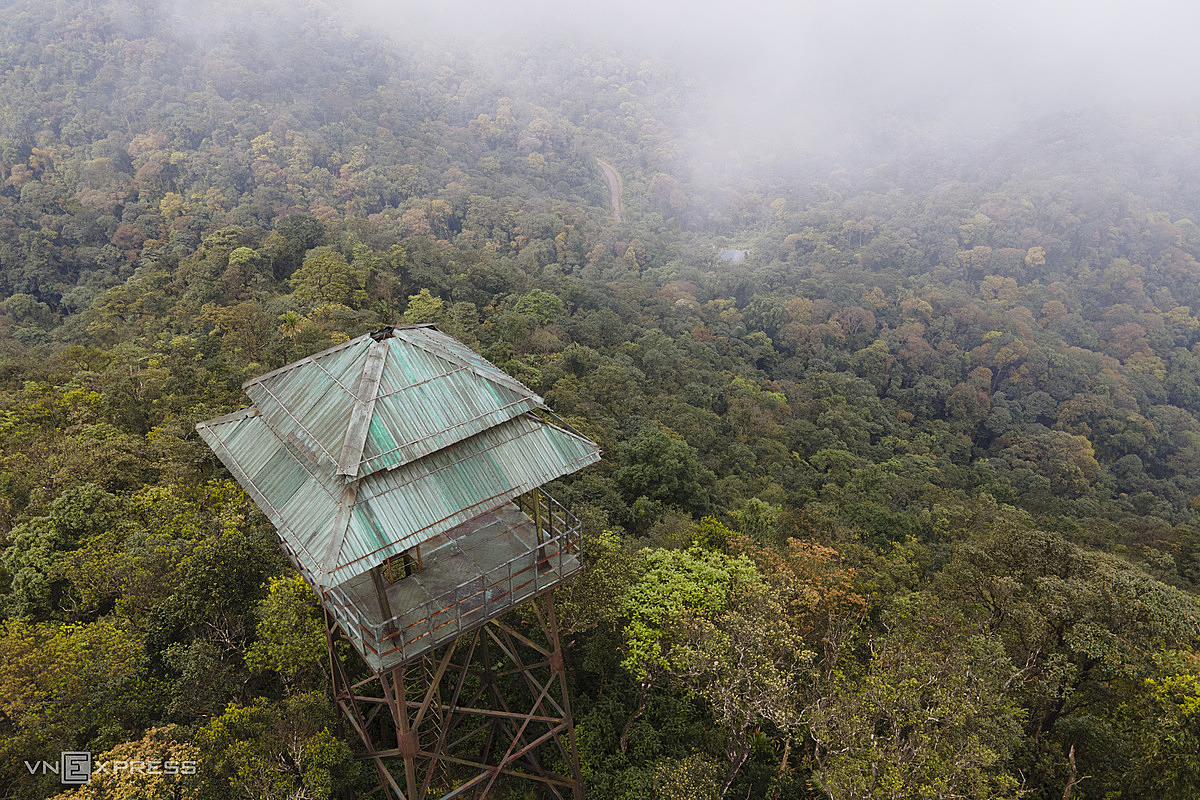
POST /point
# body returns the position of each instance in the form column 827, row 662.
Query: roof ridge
column 350, row 458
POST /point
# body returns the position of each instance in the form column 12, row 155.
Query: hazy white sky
column 942, row 43
column 832, row 66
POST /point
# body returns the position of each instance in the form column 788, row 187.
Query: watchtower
column 403, row 475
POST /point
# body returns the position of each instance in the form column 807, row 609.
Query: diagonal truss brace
column 451, row 723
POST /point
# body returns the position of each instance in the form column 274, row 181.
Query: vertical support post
column 537, row 515
column 558, row 665
column 406, row 738
column 348, row 702
column 385, row 607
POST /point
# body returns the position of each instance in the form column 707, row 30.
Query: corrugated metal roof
column 395, row 510
column 449, row 437
column 433, row 391
column 426, row 403
column 448, row 347
column 264, row 466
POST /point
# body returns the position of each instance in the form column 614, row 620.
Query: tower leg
column 558, row 665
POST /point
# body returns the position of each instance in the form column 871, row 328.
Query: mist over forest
column 854, row 79
column 889, row 330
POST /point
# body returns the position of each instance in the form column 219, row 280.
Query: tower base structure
column 485, row 709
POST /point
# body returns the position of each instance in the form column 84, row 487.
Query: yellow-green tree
column 326, row 277
column 162, row 765
column 291, row 637
column 269, row 751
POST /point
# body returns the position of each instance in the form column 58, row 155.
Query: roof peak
column 383, row 399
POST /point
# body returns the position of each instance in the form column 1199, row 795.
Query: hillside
column 904, row 505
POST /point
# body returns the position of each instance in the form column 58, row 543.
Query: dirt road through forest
column 614, row 187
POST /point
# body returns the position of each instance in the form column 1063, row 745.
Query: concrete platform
column 469, row 574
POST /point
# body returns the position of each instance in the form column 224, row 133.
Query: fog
column 777, row 78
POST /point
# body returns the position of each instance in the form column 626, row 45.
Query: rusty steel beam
column 496, row 735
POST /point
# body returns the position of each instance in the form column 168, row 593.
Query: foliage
column 326, row 277
column 662, row 469
column 291, row 635
column 1163, row 725
column 928, row 717
column 689, row 778
column 672, row 585
column 275, row 751
column 940, row 428
column 161, row 765
column 69, row 687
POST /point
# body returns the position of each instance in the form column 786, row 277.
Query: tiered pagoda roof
column 370, row 448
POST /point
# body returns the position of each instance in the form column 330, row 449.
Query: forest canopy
column 903, row 503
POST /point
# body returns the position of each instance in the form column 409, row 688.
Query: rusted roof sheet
column 448, row 438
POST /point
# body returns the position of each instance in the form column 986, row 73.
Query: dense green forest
column 904, row 504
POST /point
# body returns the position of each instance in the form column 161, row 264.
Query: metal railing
column 474, row 601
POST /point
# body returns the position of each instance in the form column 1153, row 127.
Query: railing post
column 537, row 517
column 429, row 618
column 537, row 524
